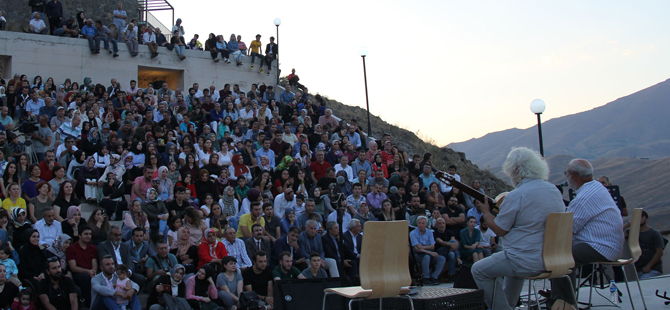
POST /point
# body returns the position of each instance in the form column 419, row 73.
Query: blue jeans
column 232, row 222
column 114, row 45
column 451, row 258
column 102, row 302
column 180, row 49
column 641, row 275
column 93, row 43
column 426, row 260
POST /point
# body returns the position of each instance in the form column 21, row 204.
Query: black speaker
column 464, row 278
column 303, row 294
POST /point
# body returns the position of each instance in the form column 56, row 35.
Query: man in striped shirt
column 70, row 129
column 598, row 228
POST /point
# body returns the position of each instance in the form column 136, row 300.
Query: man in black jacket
column 114, row 245
column 271, row 51
column 353, row 240
column 332, row 250
column 54, row 11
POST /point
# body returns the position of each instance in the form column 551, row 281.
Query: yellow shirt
column 255, row 46
column 245, row 220
column 9, row 206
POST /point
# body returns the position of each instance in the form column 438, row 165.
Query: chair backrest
column 634, row 235
column 557, row 247
column 384, row 265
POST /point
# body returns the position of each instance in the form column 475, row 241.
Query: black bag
column 464, row 278
column 248, row 299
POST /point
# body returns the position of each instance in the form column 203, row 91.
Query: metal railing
column 153, row 21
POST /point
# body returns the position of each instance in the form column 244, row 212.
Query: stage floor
column 649, row 287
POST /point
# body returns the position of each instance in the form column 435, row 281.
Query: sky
column 455, row 70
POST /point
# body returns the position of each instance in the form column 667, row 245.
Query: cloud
column 613, row 42
column 629, row 52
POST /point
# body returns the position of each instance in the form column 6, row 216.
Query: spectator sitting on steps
column 37, row 25
column 149, row 39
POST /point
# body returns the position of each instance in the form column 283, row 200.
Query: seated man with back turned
column 521, row 225
column 597, row 233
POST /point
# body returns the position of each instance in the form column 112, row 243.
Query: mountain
column 643, row 182
column 632, row 126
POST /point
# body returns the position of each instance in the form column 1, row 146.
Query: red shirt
column 83, row 257
column 319, row 169
column 46, row 175
column 143, row 184
column 205, row 256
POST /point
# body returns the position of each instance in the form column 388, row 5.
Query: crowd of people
column 134, row 34
column 221, row 190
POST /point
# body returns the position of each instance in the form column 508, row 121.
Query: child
column 10, row 266
column 317, row 218
column 241, row 189
column 174, row 224
column 23, row 301
column 299, row 204
column 122, row 285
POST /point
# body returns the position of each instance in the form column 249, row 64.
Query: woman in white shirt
column 205, row 152
column 225, row 157
column 102, row 157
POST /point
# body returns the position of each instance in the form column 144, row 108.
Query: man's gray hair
column 525, row 163
column 112, row 228
column 330, row 225
column 581, row 167
column 422, row 217
column 353, row 223
column 311, row 223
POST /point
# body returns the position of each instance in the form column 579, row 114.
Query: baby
column 123, row 284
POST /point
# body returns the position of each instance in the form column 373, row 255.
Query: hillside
column 412, row 144
column 642, row 182
column 632, row 126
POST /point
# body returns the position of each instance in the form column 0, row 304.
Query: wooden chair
column 635, row 251
column 556, row 251
column 383, row 265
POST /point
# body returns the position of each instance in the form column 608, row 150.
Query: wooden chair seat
column 619, row 262
column 350, row 292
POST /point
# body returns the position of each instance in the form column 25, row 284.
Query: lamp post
column 277, row 23
column 538, row 106
column 363, row 51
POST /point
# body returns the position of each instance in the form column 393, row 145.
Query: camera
column 30, row 125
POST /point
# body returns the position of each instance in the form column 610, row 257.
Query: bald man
column 597, row 233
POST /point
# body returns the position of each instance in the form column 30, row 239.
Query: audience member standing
column 54, row 11
column 120, row 20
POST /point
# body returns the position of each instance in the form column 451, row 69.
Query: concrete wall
column 17, row 12
column 62, row 58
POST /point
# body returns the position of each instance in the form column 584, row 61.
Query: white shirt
column 332, row 217
column 117, row 252
column 281, row 205
column 244, row 114
column 348, row 170
column 214, row 95
column 48, row 233
column 62, row 148
column 148, row 38
column 486, row 236
column 444, row 188
column 37, row 25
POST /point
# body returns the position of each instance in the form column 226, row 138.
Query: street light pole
column 363, row 52
column 537, row 107
column 277, row 23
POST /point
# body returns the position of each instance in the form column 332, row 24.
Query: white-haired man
column 597, row 232
column 520, row 224
column 424, row 248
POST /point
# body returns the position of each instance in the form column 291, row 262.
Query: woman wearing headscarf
column 210, row 249
column 102, row 157
column 134, row 218
column 319, row 203
column 138, row 158
column 186, row 251
column 90, row 144
column 32, row 258
column 115, row 165
column 177, row 287
column 75, row 164
column 58, row 249
column 204, row 186
column 229, row 206
column 201, row 290
column 264, row 165
column 88, row 180
column 72, row 223
column 156, row 212
column 171, row 154
column 20, row 225
column 346, row 187
column 285, row 163
column 165, row 185
column 112, row 193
